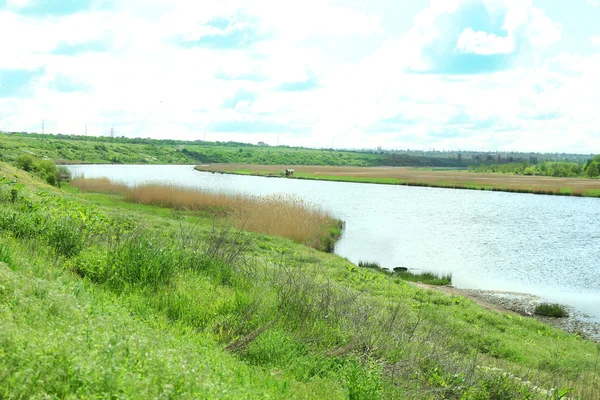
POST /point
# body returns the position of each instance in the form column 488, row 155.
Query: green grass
column 551, row 310
column 429, row 278
column 369, row 264
column 151, row 303
column 354, row 179
column 592, row 193
column 121, row 150
column 103, row 150
column 566, row 191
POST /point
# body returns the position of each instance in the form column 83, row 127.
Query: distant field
column 420, row 177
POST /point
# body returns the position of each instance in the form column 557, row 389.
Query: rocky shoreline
column 576, row 323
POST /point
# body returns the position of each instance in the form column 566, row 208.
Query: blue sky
column 445, row 74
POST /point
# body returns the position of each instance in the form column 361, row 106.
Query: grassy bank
column 278, row 215
column 101, row 297
column 423, row 178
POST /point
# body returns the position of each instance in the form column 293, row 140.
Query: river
column 544, row 245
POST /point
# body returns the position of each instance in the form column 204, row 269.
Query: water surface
column 544, row 245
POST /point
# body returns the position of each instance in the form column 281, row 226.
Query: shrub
column 25, row 162
column 551, row 310
column 45, row 167
column 22, row 225
column 62, row 175
column 592, row 170
column 51, row 179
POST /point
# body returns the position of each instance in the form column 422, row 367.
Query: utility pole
column 205, row 136
column 112, row 132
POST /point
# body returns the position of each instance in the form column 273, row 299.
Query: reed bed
column 180, row 198
column 101, row 185
column 277, row 215
column 283, row 215
column 419, row 177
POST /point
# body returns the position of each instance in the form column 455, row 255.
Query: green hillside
column 101, row 298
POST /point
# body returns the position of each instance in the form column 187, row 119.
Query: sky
column 499, row 75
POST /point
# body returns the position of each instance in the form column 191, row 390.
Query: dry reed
column 420, row 177
column 277, row 215
column 102, row 185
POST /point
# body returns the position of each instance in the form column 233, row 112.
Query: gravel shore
column 576, row 323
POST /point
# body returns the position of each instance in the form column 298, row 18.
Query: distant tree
column 592, row 170
column 62, row 175
column 529, row 171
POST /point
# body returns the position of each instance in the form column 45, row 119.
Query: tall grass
column 277, row 215
column 103, row 185
column 551, row 310
column 285, row 216
column 427, row 277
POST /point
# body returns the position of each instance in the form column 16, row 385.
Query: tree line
column 591, row 168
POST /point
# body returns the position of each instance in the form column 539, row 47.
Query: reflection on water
column 545, row 245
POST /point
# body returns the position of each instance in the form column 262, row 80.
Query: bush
column 22, row 225
column 63, row 175
column 51, row 179
column 25, row 162
column 551, row 310
column 592, row 170
column 45, row 167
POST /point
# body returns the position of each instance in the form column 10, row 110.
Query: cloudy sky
column 444, row 74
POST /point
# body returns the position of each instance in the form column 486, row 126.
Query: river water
column 544, row 245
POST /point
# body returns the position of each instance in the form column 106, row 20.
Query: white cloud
column 17, row 4
column 483, row 43
column 596, row 40
column 593, row 3
column 541, row 30
column 147, row 85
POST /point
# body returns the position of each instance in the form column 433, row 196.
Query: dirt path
column 523, row 304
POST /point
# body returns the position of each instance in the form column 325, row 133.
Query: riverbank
column 101, row 297
column 523, row 304
column 421, row 177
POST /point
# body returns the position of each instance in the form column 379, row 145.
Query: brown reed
column 277, row 215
